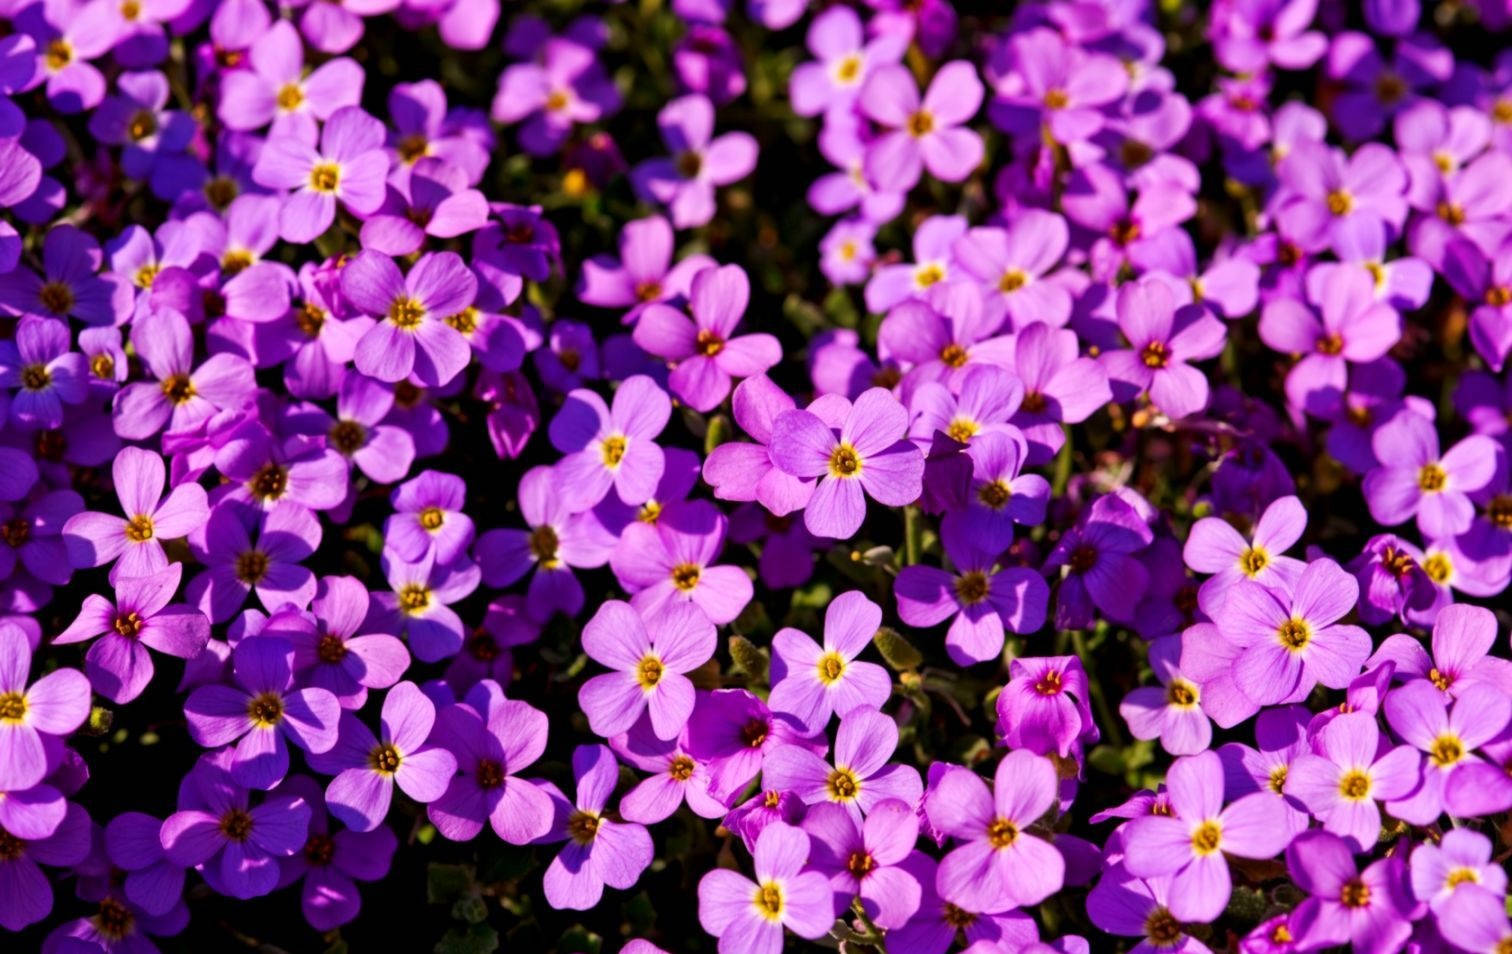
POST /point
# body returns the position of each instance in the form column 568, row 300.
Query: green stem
column 1099, row 700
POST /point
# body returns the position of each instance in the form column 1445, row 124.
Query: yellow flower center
column 12, row 707
column 649, row 672
column 843, row 785
column 613, row 450
column 385, row 758
column 406, row 313
column 1155, row 355
column 1340, row 202
column 920, row 124
column 685, row 576
column 848, row 69
column 1253, row 560
column 768, row 901
column 844, row 461
column 325, row 177
column 265, row 710
column 831, row 667
column 290, row 97
column 414, row 598
column 1013, row 280
column 1002, row 833
column 431, row 518
column 139, row 528
column 1294, row 634
column 1354, row 785
column 1181, row 694
column 1206, row 838
column 1354, row 894
column 583, row 827
column 178, row 389
column 1447, row 749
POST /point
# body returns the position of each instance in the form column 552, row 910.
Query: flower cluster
column 908, row 478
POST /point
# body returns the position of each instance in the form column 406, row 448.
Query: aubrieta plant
column 677, row 476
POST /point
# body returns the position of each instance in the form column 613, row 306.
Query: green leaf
column 898, row 652
column 473, row 939
column 447, row 883
column 748, row 658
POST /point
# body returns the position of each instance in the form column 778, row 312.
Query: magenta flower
column 70, row 284
column 413, row 335
column 738, row 470
column 1101, row 571
column 1447, row 735
column 599, row 850
column 861, row 776
column 922, row 133
column 153, row 882
column 1127, row 906
column 1060, row 387
column 1050, row 84
column 135, row 542
column 417, row 604
column 349, row 167
column 234, row 844
column 650, row 656
column 1190, row 844
column 867, row 454
column 276, row 89
column 118, row 665
column 732, row 731
column 1323, row 188
column 1369, row 908
column 1291, row 636
column 997, row 864
column 865, row 860
column 685, row 181
column 644, row 272
column 367, row 767
column 1347, row 773
column 1460, row 861
column 492, row 739
column 811, row 683
column 704, row 354
column 1281, row 738
column 1415, row 479
column 53, row 706
column 668, row 563
column 1476, row 921
column 606, row 448
column 1011, row 266
column 1162, row 339
column 1214, row 546
column 1045, row 706
column 1350, row 326
column 748, row 916
column 261, row 711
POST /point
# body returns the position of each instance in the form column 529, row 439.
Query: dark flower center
column 1354, row 894
column 114, row 920
column 15, row 531
column 251, row 567
column 348, row 437
column 128, row 624
column 177, row 388
column 236, row 824
column 265, row 710
column 385, row 758
column 1155, row 355
column 754, row 732
column 331, row 648
column 490, row 774
column 319, row 850
column 583, row 827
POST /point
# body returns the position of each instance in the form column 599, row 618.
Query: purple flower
column 233, row 844
column 1291, row 636
column 1281, row 738
column 1415, row 479
column 565, row 86
column 869, row 453
column 599, row 850
column 748, row 916
column 333, row 647
column 676, row 777
column 1100, row 569
column 367, row 767
column 1127, row 906
column 118, row 665
column 413, row 334
column 1463, row 636
column 1351, row 326
column 183, row 397
column 861, row 776
column 1191, row 846
column 54, row 705
column 332, row 861
column 428, row 518
column 28, row 896
column 685, row 182
column 1162, row 339
column 1347, row 773
column 738, row 470
column 865, row 861
column 1171, row 712
column 557, row 542
column 1476, row 921
column 349, row 167
column 703, row 352
column 260, row 711
column 42, row 369
column 274, row 87
column 236, row 566
column 1214, row 546
column 843, row 59
column 1447, row 735
column 812, row 682
column 997, row 864
column 1059, row 387
column 1370, row 908
column 606, row 448
column 732, row 731
column 644, row 273
column 651, row 657
column 1323, row 189
column 980, row 599
column 922, row 133
column 1011, row 265
column 1044, row 82
column 493, row 739
column 34, row 535
column 418, row 603
column 1256, row 33
column 1460, row 861
column 153, row 882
